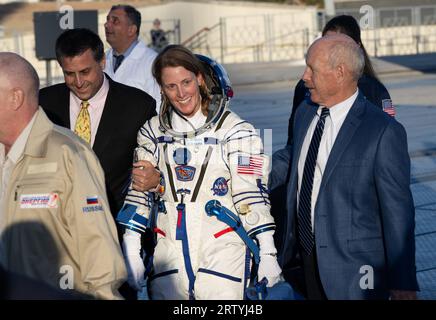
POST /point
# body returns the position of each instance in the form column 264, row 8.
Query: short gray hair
column 348, row 53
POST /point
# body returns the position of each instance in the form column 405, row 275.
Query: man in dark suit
column 105, row 113
column 350, row 209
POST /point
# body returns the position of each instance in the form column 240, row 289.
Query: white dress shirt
column 95, row 108
column 333, row 124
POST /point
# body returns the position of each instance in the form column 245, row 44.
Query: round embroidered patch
column 182, row 156
column 220, row 187
column 252, row 218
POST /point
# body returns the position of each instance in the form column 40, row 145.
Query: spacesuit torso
column 197, row 256
column 213, row 201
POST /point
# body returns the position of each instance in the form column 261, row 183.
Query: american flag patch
column 92, row 200
column 250, row 165
column 388, row 107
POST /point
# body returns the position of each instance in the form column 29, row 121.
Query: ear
column 132, row 30
column 341, row 72
column 103, row 62
column 17, row 98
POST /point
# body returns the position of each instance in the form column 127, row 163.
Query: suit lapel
column 108, row 120
column 301, row 128
column 346, row 133
column 64, row 106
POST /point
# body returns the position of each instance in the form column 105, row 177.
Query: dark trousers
column 314, row 289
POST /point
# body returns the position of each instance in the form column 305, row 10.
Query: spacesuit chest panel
column 191, row 167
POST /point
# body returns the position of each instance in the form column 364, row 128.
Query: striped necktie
column 83, row 123
column 307, row 240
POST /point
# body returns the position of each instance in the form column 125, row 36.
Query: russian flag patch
column 92, row 200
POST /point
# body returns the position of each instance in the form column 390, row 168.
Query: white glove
column 268, row 266
column 132, row 256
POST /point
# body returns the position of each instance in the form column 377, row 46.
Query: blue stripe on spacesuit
column 146, row 134
column 132, row 227
column 241, row 130
column 219, row 274
column 163, row 274
column 127, row 215
column 250, row 197
column 246, row 192
column 181, row 234
column 138, row 199
column 247, row 271
column 265, row 201
column 151, row 130
column 150, row 134
column 147, row 150
column 239, row 123
column 209, row 140
column 262, row 228
column 165, row 139
column 144, row 196
column 244, row 152
column 244, row 137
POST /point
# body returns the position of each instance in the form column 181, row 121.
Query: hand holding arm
column 144, row 176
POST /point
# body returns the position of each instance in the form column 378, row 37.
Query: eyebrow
column 68, row 71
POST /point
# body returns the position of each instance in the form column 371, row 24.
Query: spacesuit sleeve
column 135, row 211
column 249, row 168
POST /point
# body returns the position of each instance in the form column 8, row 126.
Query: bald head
column 341, row 49
column 19, row 85
column 334, row 65
column 17, row 72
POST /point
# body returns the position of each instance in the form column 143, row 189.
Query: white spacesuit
column 219, row 157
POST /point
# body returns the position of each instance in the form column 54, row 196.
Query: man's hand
column 144, row 176
column 403, row 295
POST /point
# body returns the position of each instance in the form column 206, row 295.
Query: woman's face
column 181, row 87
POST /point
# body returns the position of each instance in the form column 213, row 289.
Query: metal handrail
column 199, row 34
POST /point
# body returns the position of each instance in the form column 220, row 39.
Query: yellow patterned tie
column 83, row 123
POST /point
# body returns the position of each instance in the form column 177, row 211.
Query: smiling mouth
column 185, row 101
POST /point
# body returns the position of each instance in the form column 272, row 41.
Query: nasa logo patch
column 220, row 187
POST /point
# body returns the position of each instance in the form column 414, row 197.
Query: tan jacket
column 57, row 226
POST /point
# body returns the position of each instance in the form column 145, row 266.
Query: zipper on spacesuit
column 182, row 235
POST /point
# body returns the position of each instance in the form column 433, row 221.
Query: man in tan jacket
column 55, row 222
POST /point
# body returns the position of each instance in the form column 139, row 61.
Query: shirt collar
column 100, row 93
column 339, row 111
column 128, row 51
column 17, row 148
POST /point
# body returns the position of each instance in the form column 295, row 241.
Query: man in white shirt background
column 129, row 60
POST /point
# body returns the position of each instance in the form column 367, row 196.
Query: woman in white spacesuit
column 204, row 152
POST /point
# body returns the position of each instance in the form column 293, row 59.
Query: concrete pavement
column 267, row 72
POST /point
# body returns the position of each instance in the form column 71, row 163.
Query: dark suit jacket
column 126, row 109
column 364, row 214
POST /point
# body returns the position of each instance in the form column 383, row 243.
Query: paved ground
column 267, row 105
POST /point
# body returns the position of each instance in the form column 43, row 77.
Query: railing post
column 222, row 35
column 177, row 31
